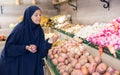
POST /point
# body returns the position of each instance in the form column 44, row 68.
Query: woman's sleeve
column 12, row 47
column 45, row 46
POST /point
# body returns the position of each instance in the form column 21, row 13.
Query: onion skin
column 111, row 70
column 55, row 62
column 77, row 66
column 98, row 59
column 91, row 59
column 101, row 68
column 92, row 67
column 61, row 59
column 51, row 56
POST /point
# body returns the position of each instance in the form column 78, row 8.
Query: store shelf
column 111, row 61
column 93, row 49
column 48, row 68
column 90, row 44
column 51, row 66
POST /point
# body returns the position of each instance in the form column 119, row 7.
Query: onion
column 68, row 67
column 61, row 59
column 66, row 61
column 56, row 56
column 54, row 52
column 82, row 61
column 76, row 72
column 87, row 64
column 101, row 68
column 70, row 70
column 82, row 48
column 96, row 73
column 59, row 65
column 70, row 55
column 91, row 59
column 73, row 61
column 64, row 50
column 51, row 56
column 98, row 59
column 61, row 71
column 63, row 55
column 86, row 53
column 65, row 73
column 76, row 56
column 78, row 66
column 111, row 70
column 92, row 67
column 117, row 72
column 84, row 70
column 55, row 62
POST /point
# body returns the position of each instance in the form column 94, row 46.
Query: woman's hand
column 32, row 48
column 54, row 38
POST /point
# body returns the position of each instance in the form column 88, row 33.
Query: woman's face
column 36, row 17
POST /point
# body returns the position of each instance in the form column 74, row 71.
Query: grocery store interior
column 89, row 34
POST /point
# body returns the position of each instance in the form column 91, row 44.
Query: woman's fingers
column 55, row 37
column 32, row 48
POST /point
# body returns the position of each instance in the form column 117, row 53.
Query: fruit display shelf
column 55, row 70
column 105, row 50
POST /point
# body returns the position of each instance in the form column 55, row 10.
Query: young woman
column 26, row 46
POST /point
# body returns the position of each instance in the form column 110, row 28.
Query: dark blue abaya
column 15, row 59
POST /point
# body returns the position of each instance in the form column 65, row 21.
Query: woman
column 25, row 46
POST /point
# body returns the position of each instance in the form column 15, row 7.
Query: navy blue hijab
column 30, row 26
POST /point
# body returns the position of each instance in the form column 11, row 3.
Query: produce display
column 63, row 25
column 59, row 19
column 108, row 37
column 90, row 29
column 74, row 28
column 72, row 58
column 69, row 27
column 45, row 21
column 102, row 36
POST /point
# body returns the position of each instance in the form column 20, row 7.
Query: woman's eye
column 37, row 15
